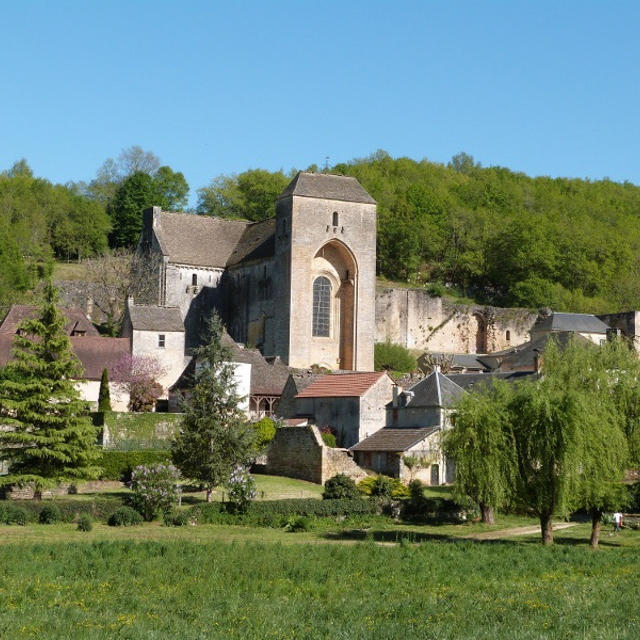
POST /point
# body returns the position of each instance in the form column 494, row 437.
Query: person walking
column 617, row 521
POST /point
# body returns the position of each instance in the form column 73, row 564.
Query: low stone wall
column 299, row 452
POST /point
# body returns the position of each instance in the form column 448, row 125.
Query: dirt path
column 516, row 531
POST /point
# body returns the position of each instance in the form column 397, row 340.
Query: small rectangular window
column 194, row 280
column 161, row 340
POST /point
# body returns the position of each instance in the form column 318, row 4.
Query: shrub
column 175, row 518
column 12, row 514
column 154, row 489
column 85, row 523
column 124, row 517
column 393, row 357
column 118, row 465
column 382, row 487
column 242, row 489
column 265, row 432
column 98, row 508
column 50, row 514
column 329, row 439
column 297, row 523
column 340, row 487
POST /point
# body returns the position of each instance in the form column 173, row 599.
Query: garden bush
column 124, row 517
column 155, row 489
column 393, row 357
column 297, row 523
column 175, row 518
column 265, row 432
column 371, row 486
column 329, row 436
column 13, row 514
column 340, row 487
column 118, row 465
column 85, row 523
column 50, row 514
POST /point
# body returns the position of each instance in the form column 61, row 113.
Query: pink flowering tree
column 137, row 375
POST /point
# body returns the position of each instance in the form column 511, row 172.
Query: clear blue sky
column 544, row 87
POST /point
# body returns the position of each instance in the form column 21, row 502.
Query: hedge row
column 117, row 465
column 70, row 510
column 275, row 513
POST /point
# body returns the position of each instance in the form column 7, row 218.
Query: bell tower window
column 194, row 280
column 336, row 219
column 321, row 307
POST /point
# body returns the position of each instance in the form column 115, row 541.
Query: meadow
column 382, row 581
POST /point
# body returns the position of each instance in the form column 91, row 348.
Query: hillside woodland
column 485, row 233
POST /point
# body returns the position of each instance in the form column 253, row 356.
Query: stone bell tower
column 325, row 260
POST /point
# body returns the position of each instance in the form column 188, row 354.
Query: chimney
column 394, row 401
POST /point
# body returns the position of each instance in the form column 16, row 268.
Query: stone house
column 300, row 286
column 353, row 404
column 584, row 324
column 158, row 333
column 415, row 421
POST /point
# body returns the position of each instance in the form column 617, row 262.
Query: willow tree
column 47, row 436
column 571, row 449
column 482, row 446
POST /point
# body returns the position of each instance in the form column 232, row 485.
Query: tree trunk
column 209, row 494
column 488, row 516
column 596, row 516
column 546, row 528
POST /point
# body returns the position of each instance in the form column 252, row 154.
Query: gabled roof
column 152, row 318
column 97, row 354
column 327, row 187
column 342, row 385
column 436, row 390
column 576, row 322
column 257, row 242
column 394, row 439
column 458, row 360
column 198, row 240
column 94, row 352
column 77, row 321
column 525, row 355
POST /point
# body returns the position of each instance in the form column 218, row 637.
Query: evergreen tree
column 214, row 437
column 104, row 396
column 49, row 438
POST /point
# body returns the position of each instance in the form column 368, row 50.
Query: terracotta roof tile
column 342, row 385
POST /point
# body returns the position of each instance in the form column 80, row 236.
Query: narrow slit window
column 194, row 280
column 321, row 306
column 161, row 340
column 336, row 219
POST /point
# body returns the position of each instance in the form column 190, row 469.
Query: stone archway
column 335, row 262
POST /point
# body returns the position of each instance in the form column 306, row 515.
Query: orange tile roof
column 341, row 385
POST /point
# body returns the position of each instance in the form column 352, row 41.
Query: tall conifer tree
column 48, row 438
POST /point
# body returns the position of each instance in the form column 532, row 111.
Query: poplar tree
column 47, row 437
column 214, row 437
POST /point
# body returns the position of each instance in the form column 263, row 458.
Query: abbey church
column 300, row 287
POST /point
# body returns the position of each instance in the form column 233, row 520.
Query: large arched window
column 321, row 306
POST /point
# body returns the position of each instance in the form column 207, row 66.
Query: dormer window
column 161, row 340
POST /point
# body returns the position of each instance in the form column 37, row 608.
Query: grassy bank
column 436, row 589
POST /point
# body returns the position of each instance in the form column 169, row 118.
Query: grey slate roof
column 327, row 186
column 393, row 439
column 201, row 241
column 458, row 360
column 436, row 390
column 152, row 318
column 467, row 381
column 576, row 322
column 257, row 242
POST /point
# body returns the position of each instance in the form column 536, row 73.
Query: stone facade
column 299, row 452
column 414, row 319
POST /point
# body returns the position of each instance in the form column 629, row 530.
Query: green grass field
column 382, row 581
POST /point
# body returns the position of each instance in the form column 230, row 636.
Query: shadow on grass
column 396, row 536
